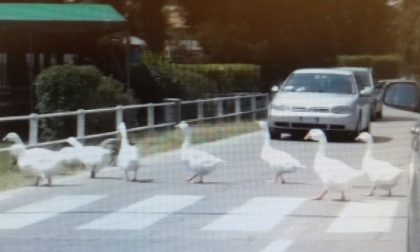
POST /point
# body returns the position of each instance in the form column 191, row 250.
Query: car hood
column 313, row 99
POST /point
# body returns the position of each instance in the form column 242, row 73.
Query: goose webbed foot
column 92, row 174
column 38, row 179
column 189, row 179
column 49, row 181
column 343, row 197
column 371, row 191
column 126, row 176
column 389, row 193
column 321, row 196
column 276, row 179
column 135, row 176
column 282, row 180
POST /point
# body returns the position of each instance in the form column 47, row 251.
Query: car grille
column 312, row 109
column 309, row 126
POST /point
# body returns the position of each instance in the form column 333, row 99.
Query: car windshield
column 362, row 80
column 319, row 83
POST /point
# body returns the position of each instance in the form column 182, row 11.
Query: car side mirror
column 366, row 92
column 275, row 89
column 402, row 95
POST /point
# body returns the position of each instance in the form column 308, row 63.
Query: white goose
column 382, row 174
column 128, row 158
column 17, row 141
column 334, row 174
column 38, row 162
column 200, row 162
column 94, row 158
column 281, row 162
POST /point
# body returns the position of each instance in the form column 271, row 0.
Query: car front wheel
column 274, row 133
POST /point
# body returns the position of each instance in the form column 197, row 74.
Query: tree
column 407, row 24
column 145, row 18
column 290, row 33
column 69, row 88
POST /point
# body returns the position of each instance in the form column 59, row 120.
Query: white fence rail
column 174, row 110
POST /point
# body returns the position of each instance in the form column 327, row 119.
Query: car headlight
column 341, row 110
column 280, row 107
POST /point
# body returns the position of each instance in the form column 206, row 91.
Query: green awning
column 60, row 17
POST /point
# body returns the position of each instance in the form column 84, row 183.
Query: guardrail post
column 254, row 107
column 33, row 129
column 219, row 104
column 200, row 110
column 238, row 108
column 267, row 103
column 81, row 124
column 119, row 115
column 150, row 116
column 173, row 113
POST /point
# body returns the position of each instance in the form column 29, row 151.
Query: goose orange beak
column 307, row 137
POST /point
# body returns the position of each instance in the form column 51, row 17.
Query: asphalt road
column 236, row 210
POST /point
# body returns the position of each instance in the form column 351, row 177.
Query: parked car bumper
column 287, row 121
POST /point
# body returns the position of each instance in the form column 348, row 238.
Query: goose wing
column 379, row 170
column 334, row 170
column 202, row 158
column 279, row 158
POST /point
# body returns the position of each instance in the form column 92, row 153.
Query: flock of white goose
column 334, row 174
column 44, row 163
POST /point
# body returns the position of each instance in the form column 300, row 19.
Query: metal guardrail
column 173, row 114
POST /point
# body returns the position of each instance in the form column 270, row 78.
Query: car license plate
column 309, row 119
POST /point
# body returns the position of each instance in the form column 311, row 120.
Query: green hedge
column 384, row 66
column 226, row 78
column 190, row 81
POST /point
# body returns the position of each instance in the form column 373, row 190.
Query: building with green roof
column 34, row 36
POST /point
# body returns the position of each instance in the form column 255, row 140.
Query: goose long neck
column 18, row 140
column 266, row 137
column 124, row 140
column 321, row 148
column 368, row 152
column 187, row 139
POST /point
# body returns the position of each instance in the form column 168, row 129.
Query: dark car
column 405, row 95
column 365, row 82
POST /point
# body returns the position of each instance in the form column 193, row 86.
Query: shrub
column 226, row 78
column 384, row 66
column 190, row 81
column 71, row 87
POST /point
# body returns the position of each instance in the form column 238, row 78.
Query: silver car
column 327, row 99
column 364, row 81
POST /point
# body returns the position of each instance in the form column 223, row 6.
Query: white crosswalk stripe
column 42, row 210
column 278, row 246
column 142, row 214
column 365, row 217
column 5, row 197
column 258, row 214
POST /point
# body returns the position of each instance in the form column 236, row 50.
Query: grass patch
column 150, row 143
column 10, row 177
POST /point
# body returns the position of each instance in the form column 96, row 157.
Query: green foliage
column 162, row 78
column 408, row 34
column 283, row 35
column 225, row 78
column 71, row 87
column 384, row 66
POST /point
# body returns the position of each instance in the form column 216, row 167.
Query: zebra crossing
column 146, row 213
column 256, row 214
column 36, row 212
